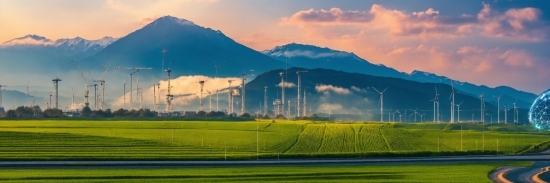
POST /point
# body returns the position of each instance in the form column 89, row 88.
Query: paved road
column 422, row 160
column 536, row 173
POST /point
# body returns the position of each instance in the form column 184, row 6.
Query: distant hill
column 192, row 50
column 311, row 57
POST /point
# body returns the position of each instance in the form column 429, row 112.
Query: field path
column 385, row 140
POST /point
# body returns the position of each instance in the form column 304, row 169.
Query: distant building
column 2, row 112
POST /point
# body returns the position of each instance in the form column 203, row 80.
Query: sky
column 493, row 42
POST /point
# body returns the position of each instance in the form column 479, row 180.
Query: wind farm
column 331, row 92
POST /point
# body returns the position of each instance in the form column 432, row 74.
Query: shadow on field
column 365, row 176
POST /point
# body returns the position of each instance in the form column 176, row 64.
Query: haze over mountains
column 196, row 50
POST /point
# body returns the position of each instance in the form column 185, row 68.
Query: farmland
column 183, row 140
column 380, row 173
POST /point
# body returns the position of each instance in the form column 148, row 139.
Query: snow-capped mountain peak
column 170, row 20
column 30, row 39
column 85, row 44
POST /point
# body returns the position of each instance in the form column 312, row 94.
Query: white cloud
column 360, row 90
column 287, row 85
column 185, row 89
column 335, row 89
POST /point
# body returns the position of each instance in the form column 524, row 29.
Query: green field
column 377, row 173
column 91, row 140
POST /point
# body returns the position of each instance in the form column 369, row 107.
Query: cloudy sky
column 494, row 42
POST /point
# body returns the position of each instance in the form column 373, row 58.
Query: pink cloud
column 330, row 16
column 515, row 24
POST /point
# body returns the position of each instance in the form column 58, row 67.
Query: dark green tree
column 86, row 112
column 53, row 113
column 245, row 115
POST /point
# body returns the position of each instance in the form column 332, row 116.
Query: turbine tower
column 102, row 83
column 1, row 95
column 381, row 103
column 242, row 93
column 169, row 96
column 482, row 118
column 299, row 85
column 305, row 103
column 210, row 103
column 452, row 103
column 498, row 108
column 86, row 91
column 265, row 100
column 56, row 87
column 282, row 91
column 202, row 85
column 230, row 99
column 515, row 113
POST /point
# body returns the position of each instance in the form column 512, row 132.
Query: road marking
column 536, row 176
column 500, row 177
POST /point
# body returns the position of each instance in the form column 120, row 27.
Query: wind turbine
column 283, row 91
column 515, row 112
column 299, row 85
column 102, row 83
column 1, row 95
column 137, row 69
column 436, row 103
column 381, row 103
column 230, row 99
column 86, row 91
column 452, row 103
column 210, row 96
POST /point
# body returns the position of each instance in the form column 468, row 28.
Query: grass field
column 376, row 173
column 46, row 140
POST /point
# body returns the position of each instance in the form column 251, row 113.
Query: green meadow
column 350, row 173
column 200, row 140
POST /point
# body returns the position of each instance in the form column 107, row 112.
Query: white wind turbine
column 381, row 103
column 452, row 103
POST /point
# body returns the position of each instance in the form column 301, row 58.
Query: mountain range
column 311, row 57
column 355, row 94
column 196, row 50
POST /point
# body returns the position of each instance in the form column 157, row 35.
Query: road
column 417, row 160
column 536, row 173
